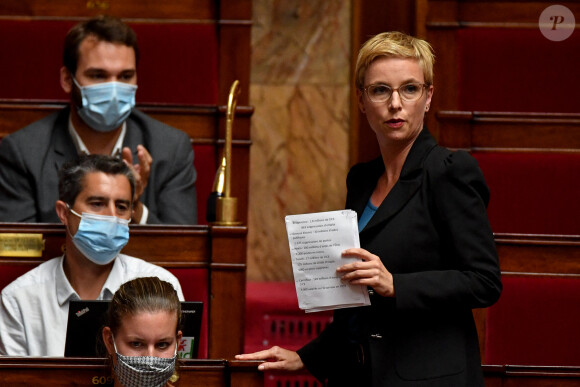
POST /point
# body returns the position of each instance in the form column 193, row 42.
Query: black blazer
column 31, row 157
column 433, row 235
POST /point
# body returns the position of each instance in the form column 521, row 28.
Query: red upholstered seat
column 273, row 318
column 531, row 192
column 516, row 70
column 535, row 322
column 178, row 61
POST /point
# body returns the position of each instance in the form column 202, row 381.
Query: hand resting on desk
column 275, row 358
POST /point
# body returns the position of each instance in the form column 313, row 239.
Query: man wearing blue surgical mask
column 100, row 75
column 95, row 204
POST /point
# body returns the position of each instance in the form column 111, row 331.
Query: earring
column 427, row 108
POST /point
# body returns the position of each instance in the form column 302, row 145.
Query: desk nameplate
column 21, row 245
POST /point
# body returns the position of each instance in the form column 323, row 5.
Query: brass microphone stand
column 226, row 205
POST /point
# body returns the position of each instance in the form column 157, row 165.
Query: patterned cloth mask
column 106, row 105
column 100, row 237
column 143, row 371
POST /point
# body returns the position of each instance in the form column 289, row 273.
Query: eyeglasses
column 409, row 92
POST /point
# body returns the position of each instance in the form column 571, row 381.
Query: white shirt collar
column 65, row 291
column 82, row 148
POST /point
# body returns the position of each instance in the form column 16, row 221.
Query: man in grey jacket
column 100, row 75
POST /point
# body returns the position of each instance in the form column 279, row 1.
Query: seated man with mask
column 95, row 204
column 100, row 75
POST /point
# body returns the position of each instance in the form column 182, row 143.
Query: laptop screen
column 86, row 320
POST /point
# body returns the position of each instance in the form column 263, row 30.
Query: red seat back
column 532, row 193
column 516, row 70
column 536, row 322
column 178, row 62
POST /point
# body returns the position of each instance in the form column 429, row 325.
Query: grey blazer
column 30, row 159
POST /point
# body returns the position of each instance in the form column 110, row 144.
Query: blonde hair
column 146, row 294
column 395, row 45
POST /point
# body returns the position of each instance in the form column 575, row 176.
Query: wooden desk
column 219, row 250
column 530, row 376
column 90, row 372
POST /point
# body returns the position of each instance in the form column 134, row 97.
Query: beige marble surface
column 300, row 91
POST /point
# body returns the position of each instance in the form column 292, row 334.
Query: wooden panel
column 235, row 62
column 168, row 246
column 90, row 372
column 539, row 253
column 371, row 17
column 510, row 131
column 228, row 291
column 243, row 374
column 530, row 376
column 182, row 9
column 489, row 13
column 199, row 122
column 235, row 9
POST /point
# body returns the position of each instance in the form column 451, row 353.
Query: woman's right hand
column 275, row 358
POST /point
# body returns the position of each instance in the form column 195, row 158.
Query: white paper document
column 317, row 241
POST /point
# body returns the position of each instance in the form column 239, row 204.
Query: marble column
column 300, row 87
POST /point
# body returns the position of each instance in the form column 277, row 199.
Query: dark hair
column 71, row 175
column 104, row 28
column 145, row 294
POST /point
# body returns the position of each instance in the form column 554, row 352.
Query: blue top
column 367, row 214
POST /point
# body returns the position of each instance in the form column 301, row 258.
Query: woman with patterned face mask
column 142, row 333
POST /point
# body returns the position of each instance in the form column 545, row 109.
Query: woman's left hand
column 369, row 272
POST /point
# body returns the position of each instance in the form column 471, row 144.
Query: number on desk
column 102, row 380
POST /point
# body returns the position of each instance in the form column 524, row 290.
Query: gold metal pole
column 226, row 205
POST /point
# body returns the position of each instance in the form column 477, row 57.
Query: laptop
column 86, row 320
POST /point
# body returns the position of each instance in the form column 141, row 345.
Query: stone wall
column 300, row 88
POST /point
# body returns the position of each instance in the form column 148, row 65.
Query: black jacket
column 433, row 235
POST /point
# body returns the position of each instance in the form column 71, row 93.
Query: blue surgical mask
column 100, row 238
column 105, row 106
